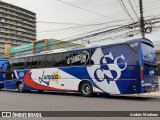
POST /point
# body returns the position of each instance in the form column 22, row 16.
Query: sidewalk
column 156, row 94
column 151, row 94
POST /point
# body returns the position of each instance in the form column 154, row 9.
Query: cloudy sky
column 62, row 14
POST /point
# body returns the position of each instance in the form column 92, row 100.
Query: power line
column 113, row 30
column 80, row 26
column 110, row 31
column 84, row 9
column 67, row 30
column 133, row 8
column 58, row 23
column 44, row 5
column 100, row 33
column 63, row 23
column 136, row 8
column 36, row 4
column 85, row 25
column 125, row 9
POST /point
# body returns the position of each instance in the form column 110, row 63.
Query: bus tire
column 20, row 87
column 86, row 89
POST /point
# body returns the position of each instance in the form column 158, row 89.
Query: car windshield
column 148, row 53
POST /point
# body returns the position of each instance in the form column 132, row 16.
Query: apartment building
column 17, row 26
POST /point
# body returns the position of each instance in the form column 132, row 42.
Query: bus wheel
column 86, row 89
column 20, row 87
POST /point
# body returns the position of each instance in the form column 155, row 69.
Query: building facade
column 17, row 26
column 42, row 46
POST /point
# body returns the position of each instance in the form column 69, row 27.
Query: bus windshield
column 148, row 53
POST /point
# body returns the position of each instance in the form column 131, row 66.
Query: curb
column 152, row 94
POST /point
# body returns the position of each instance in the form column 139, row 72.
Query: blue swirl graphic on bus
column 109, row 68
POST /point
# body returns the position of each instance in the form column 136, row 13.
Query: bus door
column 9, row 77
column 8, row 84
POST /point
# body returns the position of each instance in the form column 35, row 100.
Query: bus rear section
column 149, row 77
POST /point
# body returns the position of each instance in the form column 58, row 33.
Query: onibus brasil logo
column 47, row 78
column 110, row 71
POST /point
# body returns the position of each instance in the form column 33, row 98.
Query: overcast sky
column 89, row 11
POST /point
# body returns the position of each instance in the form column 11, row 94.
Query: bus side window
column 15, row 64
column 41, row 62
column 67, row 59
column 49, row 60
column 57, row 60
column 9, row 71
column 10, row 66
column 22, row 63
column 29, row 63
column 35, row 62
column 81, row 57
column 92, row 52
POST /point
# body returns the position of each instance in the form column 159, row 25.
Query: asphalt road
column 15, row 101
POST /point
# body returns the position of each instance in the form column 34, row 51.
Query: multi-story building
column 45, row 45
column 17, row 26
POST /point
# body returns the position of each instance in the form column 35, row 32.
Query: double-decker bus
column 123, row 68
column 3, row 67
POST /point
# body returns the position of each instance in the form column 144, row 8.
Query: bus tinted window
column 22, row 62
column 57, row 60
column 80, row 57
column 9, row 71
column 67, row 59
column 15, row 64
column 34, row 62
column 91, row 53
column 41, row 62
column 49, row 60
column 29, row 62
column 148, row 53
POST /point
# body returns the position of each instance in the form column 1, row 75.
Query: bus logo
column 21, row 74
column 83, row 57
column 47, row 78
column 151, row 72
column 109, row 71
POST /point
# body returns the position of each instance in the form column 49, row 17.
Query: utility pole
column 141, row 19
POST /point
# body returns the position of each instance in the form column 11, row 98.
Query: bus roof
column 4, row 59
column 95, row 46
column 141, row 40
